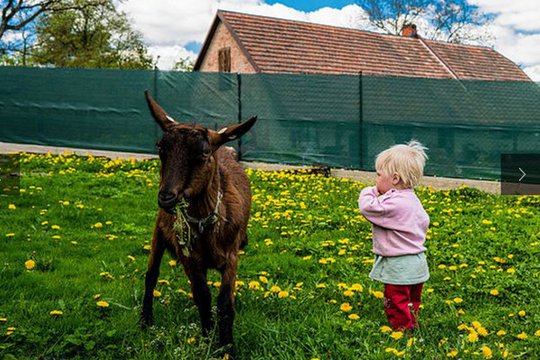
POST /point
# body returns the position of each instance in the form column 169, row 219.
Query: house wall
column 223, row 38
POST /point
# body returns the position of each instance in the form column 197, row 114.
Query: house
column 242, row 43
column 395, row 93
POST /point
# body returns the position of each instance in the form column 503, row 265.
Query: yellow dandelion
column 29, row 264
column 357, row 287
column 157, row 293
column 55, row 227
column 254, row 285
column 354, row 317
column 191, row 340
column 321, row 286
column 378, row 294
column 283, row 294
column 348, row 293
column 494, row 292
column 458, row 300
column 263, row 279
column 473, row 336
column 275, row 289
column 102, row 304
column 537, row 333
column 12, row 207
column 385, row 329
column 486, row 351
column 98, row 225
column 501, row 333
column 345, row 307
column 482, row 331
column 3, row 319
column 522, row 313
column 9, row 235
column 452, row 353
column 396, row 335
column 56, row 313
column 522, row 336
column 97, row 296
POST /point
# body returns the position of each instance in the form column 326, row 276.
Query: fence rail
column 333, row 120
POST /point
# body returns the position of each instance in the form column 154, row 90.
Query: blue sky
column 175, row 29
column 311, row 5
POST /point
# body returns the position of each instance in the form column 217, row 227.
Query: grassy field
column 74, row 249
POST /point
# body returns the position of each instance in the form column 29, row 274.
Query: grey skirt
column 400, row 270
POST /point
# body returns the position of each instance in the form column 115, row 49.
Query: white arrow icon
column 523, row 172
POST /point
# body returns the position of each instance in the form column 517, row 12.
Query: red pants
column 401, row 303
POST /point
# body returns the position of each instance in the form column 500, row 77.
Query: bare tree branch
column 442, row 19
column 18, row 14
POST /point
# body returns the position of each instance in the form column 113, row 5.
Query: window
column 224, row 57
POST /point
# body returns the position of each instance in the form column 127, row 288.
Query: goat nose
column 166, row 196
column 166, row 199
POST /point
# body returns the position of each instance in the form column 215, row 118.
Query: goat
column 204, row 205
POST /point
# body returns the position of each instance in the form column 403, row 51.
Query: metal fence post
column 239, row 95
column 155, row 95
column 360, row 122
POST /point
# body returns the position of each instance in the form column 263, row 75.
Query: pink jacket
column 399, row 221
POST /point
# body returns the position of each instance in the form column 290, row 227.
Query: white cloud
column 169, row 55
column 516, row 31
column 533, row 72
column 516, row 14
column 168, row 25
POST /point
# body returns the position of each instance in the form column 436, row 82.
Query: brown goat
column 209, row 228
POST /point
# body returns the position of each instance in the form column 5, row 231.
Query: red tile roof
column 285, row 46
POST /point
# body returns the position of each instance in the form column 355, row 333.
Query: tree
column 17, row 14
column 96, row 37
column 447, row 20
column 184, row 64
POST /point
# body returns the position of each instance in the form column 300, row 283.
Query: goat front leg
column 158, row 248
column 201, row 296
column 225, row 305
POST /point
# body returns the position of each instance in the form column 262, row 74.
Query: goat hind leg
column 225, row 307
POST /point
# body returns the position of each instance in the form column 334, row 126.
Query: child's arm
column 374, row 208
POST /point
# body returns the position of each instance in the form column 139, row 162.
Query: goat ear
column 231, row 132
column 161, row 117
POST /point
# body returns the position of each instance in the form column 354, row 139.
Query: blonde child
column 399, row 230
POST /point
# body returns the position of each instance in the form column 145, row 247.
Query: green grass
column 306, row 239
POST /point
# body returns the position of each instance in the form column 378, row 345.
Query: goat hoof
column 227, row 352
column 146, row 321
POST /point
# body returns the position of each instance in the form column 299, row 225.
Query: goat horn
column 161, row 117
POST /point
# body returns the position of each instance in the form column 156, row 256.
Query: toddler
column 399, row 230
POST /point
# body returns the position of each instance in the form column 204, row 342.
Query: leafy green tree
column 91, row 37
column 184, row 64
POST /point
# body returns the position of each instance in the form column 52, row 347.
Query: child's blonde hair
column 406, row 160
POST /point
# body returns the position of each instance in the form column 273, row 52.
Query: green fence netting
column 332, row 120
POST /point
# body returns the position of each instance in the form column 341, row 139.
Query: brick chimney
column 409, row 30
